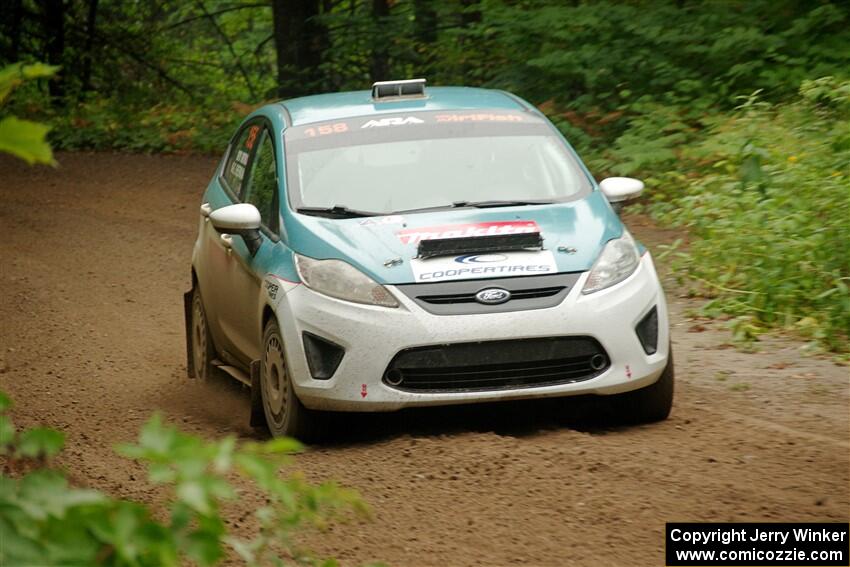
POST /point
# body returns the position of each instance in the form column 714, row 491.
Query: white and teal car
column 404, row 246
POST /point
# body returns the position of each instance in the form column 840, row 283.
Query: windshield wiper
column 336, row 212
column 489, row 204
column 477, row 205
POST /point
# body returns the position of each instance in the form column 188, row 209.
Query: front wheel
column 285, row 414
column 649, row 404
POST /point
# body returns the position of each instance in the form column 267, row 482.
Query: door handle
column 206, row 209
column 227, row 242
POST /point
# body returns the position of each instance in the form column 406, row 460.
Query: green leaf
column 25, row 139
column 5, row 402
column 7, row 432
column 195, row 495
column 280, row 445
column 17, row 548
column 13, row 75
column 40, row 441
column 204, row 547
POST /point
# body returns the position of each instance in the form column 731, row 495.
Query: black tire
column 649, row 404
column 285, row 415
column 203, row 350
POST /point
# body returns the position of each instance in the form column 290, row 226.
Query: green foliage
column 23, row 138
column 169, row 74
column 13, row 76
column 100, row 125
column 45, row 521
column 766, row 191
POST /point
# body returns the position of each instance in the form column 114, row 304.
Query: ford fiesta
column 370, row 251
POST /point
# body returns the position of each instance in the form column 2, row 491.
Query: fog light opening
column 395, row 377
column 647, row 331
column 598, row 361
column 323, row 356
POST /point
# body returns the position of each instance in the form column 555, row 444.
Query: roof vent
column 411, row 88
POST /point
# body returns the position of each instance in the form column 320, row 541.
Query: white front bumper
column 372, row 336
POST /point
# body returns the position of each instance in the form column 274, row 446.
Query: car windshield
column 426, row 160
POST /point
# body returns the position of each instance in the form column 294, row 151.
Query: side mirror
column 243, row 220
column 620, row 189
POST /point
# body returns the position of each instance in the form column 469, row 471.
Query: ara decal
column 394, row 121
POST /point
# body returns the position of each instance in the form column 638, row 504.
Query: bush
column 766, row 191
column 100, row 124
column 44, row 521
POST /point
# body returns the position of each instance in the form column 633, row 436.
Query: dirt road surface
column 94, row 257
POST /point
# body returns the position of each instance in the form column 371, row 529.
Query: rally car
column 404, row 246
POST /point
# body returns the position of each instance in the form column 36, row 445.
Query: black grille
column 470, row 297
column 458, row 297
column 497, row 365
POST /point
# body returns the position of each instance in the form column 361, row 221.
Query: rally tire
column 650, row 404
column 285, row 415
column 203, row 350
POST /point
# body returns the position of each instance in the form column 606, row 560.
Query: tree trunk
column 11, row 15
column 425, row 34
column 424, row 21
column 469, row 17
column 300, row 41
column 53, row 21
column 88, row 56
column 380, row 64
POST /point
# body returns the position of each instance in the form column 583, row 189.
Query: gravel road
column 94, row 258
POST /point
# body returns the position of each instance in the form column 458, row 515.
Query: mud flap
column 258, row 417
column 187, row 314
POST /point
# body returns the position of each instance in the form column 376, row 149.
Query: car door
column 241, row 274
column 212, row 259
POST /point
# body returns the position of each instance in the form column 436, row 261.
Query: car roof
column 334, row 106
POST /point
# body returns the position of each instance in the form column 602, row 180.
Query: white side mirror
column 236, row 218
column 619, row 189
column 243, row 220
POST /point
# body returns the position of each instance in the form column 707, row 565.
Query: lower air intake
column 497, row 365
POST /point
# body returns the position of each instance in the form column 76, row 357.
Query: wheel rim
column 199, row 338
column 274, row 380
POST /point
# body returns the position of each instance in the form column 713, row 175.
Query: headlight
column 343, row 281
column 619, row 259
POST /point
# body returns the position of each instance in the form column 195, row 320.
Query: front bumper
column 372, row 336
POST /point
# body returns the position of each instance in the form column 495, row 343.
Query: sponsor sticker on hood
column 477, row 266
column 377, row 221
column 416, row 235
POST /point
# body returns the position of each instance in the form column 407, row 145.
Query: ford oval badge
column 492, row 296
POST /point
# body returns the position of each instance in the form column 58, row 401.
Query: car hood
column 382, row 247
